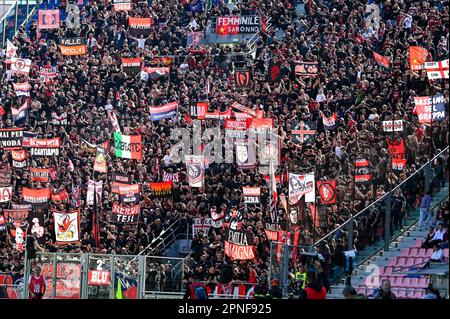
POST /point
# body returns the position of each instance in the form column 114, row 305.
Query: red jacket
column 316, row 292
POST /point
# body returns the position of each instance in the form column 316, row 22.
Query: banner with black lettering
column 125, row 214
column 396, row 148
column 44, row 147
column 327, row 191
column 301, row 185
column 162, row 189
column 11, row 138
column 362, row 171
column 242, row 78
column 195, row 170
column 139, row 26
column 19, row 158
column 130, row 194
column 73, row 46
column 251, row 194
column 239, row 245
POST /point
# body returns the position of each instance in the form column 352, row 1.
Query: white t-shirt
column 167, row 160
column 141, row 43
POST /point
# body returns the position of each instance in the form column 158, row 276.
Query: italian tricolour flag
column 128, row 146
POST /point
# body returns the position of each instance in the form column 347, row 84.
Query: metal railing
column 17, row 16
column 384, row 197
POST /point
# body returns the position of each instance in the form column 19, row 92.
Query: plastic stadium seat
column 423, row 282
column 392, row 261
column 406, row 282
column 401, row 261
column 429, row 253
column 397, row 282
column 418, row 294
column 422, row 252
column 414, row 282
column 418, row 243
column 387, row 270
column 446, row 253
column 413, row 252
column 410, row 261
column 399, row 293
column 419, row 261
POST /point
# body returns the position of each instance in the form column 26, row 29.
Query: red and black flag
column 304, row 132
column 242, row 78
column 162, row 189
column 396, row 148
column 382, row 60
column 274, row 71
column 327, row 191
column 272, row 230
column 239, row 245
column 362, row 171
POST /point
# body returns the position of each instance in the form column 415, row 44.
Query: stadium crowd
column 350, row 82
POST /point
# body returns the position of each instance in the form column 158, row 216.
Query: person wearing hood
column 314, row 289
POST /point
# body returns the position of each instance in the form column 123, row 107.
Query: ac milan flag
column 301, row 185
column 139, row 26
column 437, row 70
column 195, row 170
column 98, row 186
column 131, row 65
column 304, row 132
column 398, row 164
column 39, row 174
column 73, row 46
column 242, row 78
column 199, row 110
column 35, row 196
column 162, row 189
column 48, row 19
column 329, row 122
column 45, row 147
column 382, row 60
column 67, row 227
column 393, row 126
column 100, row 161
column 327, row 191
column 362, row 171
column 5, row 194
column 396, row 148
column 271, row 230
column 157, row 72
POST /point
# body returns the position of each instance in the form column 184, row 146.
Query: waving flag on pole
column 20, row 115
column 382, row 60
column 417, row 57
column 114, row 122
column 11, row 49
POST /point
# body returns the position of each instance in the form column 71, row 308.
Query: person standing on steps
column 425, row 214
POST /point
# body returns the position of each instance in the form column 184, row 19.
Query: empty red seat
column 414, row 282
column 422, row 252
column 401, row 261
column 397, row 282
column 446, row 253
column 418, row 243
column 423, row 282
column 418, row 294
column 387, row 270
column 429, row 253
column 406, row 282
column 418, row 261
column 392, row 261
column 410, row 261
column 413, row 252
column 399, row 293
